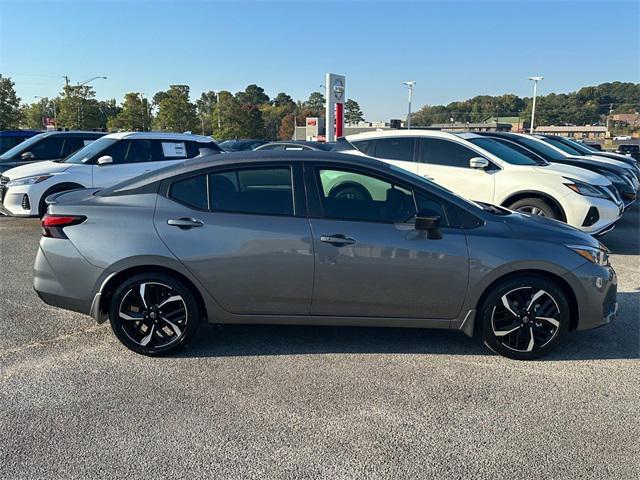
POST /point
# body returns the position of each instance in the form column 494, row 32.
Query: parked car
column 630, row 150
column 46, row 146
column 621, row 179
column 11, row 138
column 109, row 160
column 486, row 171
column 241, row 145
column 296, row 145
column 261, row 239
column 572, row 147
column 622, row 138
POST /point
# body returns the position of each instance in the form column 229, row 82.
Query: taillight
column 52, row 225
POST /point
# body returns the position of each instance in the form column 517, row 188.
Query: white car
column 104, row 162
column 620, row 138
column 484, row 170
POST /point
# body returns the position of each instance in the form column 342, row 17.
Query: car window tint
column 365, row 146
column 71, row 145
column 48, row 148
column 266, row 191
column 445, row 152
column 191, row 191
column 348, row 195
column 395, row 148
column 140, row 151
column 430, row 206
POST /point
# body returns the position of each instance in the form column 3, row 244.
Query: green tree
column 205, row 106
column 33, row 115
column 230, row 113
column 10, row 113
column 287, row 126
column 79, row 110
column 134, row 115
column 352, row 112
column 284, row 100
column 176, row 113
column 253, row 95
column 314, row 106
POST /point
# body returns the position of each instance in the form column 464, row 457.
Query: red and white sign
column 335, row 95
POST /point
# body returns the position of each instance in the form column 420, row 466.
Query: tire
column 530, row 333
column 350, row 190
column 156, row 326
column 535, row 206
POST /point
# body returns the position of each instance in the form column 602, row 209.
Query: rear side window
column 395, row 148
column 48, row 148
column 263, row 191
column 445, row 152
column 365, row 146
column 191, row 191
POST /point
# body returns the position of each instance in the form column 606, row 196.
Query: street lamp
column 53, row 103
column 409, row 85
column 91, row 80
column 79, row 103
column 533, row 108
column 217, row 92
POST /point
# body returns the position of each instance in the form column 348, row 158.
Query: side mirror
column 429, row 223
column 26, row 156
column 479, row 163
column 105, row 160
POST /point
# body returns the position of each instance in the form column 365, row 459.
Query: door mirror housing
column 105, row 160
column 26, row 156
column 430, row 223
column 479, row 163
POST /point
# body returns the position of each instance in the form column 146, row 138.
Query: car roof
column 71, row 133
column 160, row 136
column 400, row 133
column 19, row 133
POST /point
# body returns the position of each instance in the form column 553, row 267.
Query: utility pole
column 533, row 108
column 409, row 85
column 609, row 117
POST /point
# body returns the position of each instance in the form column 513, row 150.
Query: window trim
column 187, row 177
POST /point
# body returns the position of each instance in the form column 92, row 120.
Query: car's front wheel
column 154, row 314
column 535, row 206
column 524, row 317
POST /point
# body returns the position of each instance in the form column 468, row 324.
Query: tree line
column 250, row 113
column 587, row 106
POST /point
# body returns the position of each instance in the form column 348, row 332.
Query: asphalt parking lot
column 307, row 402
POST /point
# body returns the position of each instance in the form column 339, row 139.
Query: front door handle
column 185, row 223
column 337, row 240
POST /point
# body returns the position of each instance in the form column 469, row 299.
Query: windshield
column 22, row 147
column 503, row 152
column 580, row 147
column 562, row 146
column 541, row 148
column 89, row 151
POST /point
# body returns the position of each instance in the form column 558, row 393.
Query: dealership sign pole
column 335, row 95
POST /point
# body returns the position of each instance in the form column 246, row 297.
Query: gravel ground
column 307, row 402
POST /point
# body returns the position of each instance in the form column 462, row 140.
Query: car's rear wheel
column 154, row 314
column 535, row 206
column 524, row 317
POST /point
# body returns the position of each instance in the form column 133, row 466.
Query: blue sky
column 454, row 50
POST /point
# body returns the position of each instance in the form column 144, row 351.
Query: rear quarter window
column 191, row 191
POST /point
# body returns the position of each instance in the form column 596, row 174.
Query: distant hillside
column 586, row 106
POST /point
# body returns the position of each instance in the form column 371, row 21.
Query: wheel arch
column 57, row 188
column 558, row 280
column 114, row 281
column 514, row 197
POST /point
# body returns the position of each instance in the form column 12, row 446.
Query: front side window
column 395, row 148
column 509, row 153
column 72, row 144
column 346, row 195
column 447, row 153
column 191, row 191
column 263, row 191
column 130, row 151
column 48, row 148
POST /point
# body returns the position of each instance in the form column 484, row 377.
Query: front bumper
column 12, row 201
column 595, row 288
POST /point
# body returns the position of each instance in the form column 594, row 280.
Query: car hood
column 527, row 226
column 612, row 155
column 576, row 173
column 36, row 168
column 610, row 161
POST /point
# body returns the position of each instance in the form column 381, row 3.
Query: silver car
column 315, row 238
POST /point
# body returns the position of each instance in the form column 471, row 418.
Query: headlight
column 599, row 256
column 585, row 189
column 28, row 180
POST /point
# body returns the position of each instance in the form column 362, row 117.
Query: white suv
column 102, row 163
column 484, row 170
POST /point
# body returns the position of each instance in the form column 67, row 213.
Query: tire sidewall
column 193, row 313
column 536, row 282
column 543, row 205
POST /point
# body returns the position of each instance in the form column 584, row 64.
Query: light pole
column 533, row 108
column 217, row 92
column 79, row 103
column 409, row 85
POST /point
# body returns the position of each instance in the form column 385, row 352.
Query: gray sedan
column 315, row 238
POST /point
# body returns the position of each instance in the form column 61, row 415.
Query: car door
column 130, row 158
column 399, row 151
column 244, row 234
column 370, row 259
column 446, row 162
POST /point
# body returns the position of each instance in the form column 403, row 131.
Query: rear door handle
column 337, row 240
column 185, row 223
